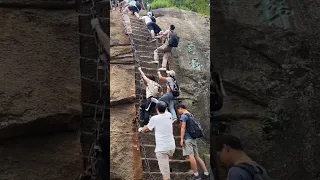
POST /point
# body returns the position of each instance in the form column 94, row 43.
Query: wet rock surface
column 271, row 78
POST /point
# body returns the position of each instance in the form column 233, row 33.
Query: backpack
column 153, row 19
column 194, row 127
column 174, row 39
column 256, row 172
column 176, row 90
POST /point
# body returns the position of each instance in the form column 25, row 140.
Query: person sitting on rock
column 165, row 144
column 173, row 91
column 153, row 89
column 189, row 145
column 151, row 25
column 165, row 48
column 134, row 7
column 231, row 154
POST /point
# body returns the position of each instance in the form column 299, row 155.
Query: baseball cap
column 171, row 73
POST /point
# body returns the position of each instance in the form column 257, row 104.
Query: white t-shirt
column 162, row 123
column 132, row 3
column 151, row 89
column 147, row 19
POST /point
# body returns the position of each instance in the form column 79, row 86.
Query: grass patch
column 199, row 6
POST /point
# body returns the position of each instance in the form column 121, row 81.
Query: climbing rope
column 100, row 106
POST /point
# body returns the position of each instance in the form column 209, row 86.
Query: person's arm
column 161, row 78
column 104, row 39
column 183, row 130
column 164, row 34
column 144, row 76
column 148, row 127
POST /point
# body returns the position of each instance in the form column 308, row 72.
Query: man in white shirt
column 165, row 144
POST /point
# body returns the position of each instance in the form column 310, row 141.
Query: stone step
column 135, row 21
column 141, row 32
column 173, row 175
column 150, row 139
column 151, row 154
column 175, row 165
column 145, row 47
column 144, row 42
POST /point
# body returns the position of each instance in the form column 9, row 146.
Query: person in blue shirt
column 189, row 145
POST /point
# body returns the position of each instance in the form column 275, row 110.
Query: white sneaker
column 155, row 62
column 162, row 69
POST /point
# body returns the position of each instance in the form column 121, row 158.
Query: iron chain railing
column 100, row 106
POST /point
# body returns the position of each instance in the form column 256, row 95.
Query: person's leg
column 172, row 110
column 152, row 33
column 166, row 56
column 163, row 162
column 188, row 151
column 198, row 159
column 166, row 97
column 137, row 14
column 147, row 111
column 155, row 53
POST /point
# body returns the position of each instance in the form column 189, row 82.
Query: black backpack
column 176, row 90
column 256, row 171
column 153, row 19
column 194, row 127
column 174, row 39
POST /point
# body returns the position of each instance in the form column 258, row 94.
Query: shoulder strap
column 247, row 167
column 251, row 169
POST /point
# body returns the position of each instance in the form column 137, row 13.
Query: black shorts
column 133, row 9
column 153, row 26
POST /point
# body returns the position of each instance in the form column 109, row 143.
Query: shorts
column 190, row 147
column 153, row 26
column 133, row 9
column 163, row 161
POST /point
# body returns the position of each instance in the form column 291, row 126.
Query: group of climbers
column 164, row 105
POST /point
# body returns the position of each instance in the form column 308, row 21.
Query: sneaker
column 205, row 177
column 162, row 69
column 196, row 177
column 155, row 62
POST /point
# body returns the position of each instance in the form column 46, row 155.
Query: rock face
column 53, row 157
column 40, row 94
column 271, row 76
column 124, row 156
column 39, row 74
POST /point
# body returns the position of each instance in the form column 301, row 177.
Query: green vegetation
column 199, row 6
